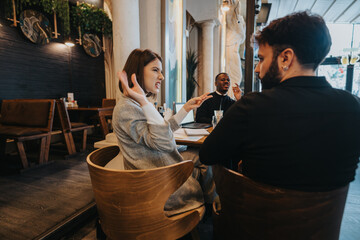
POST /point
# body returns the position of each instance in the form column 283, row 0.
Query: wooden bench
column 24, row 120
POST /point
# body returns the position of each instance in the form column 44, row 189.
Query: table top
column 90, row 108
column 101, row 112
column 197, row 143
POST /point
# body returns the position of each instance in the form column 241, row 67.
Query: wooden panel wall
column 28, row 70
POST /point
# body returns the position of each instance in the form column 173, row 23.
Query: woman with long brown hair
column 146, row 140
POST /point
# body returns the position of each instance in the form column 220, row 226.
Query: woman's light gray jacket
column 147, row 146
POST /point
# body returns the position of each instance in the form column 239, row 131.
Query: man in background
column 220, row 99
column 299, row 132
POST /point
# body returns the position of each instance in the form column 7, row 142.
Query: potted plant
column 91, row 20
column 191, row 65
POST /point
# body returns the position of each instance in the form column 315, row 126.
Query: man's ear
column 286, row 57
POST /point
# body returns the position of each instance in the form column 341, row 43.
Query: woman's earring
column 285, row 68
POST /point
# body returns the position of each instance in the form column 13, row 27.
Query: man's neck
column 298, row 71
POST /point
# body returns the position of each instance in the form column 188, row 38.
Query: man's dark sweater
column 205, row 112
column 301, row 134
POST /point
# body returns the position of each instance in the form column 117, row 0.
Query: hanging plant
column 61, row 7
column 91, row 19
column 8, row 9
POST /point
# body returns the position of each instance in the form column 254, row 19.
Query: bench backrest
column 37, row 113
column 63, row 115
column 108, row 102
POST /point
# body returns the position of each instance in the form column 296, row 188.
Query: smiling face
column 222, row 83
column 268, row 68
column 153, row 76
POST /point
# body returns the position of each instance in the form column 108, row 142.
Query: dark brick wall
column 28, row 70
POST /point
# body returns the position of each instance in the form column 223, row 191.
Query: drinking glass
column 218, row 114
column 214, row 122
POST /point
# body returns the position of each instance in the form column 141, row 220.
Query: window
column 341, row 35
column 335, row 74
column 346, row 46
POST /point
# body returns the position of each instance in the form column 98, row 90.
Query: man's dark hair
column 305, row 33
column 216, row 78
column 135, row 63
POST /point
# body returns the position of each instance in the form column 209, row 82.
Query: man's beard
column 272, row 76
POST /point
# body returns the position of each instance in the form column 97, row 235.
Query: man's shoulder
column 346, row 97
column 229, row 99
column 210, row 100
column 213, row 94
column 255, row 96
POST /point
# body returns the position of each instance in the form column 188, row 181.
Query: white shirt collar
column 221, row 93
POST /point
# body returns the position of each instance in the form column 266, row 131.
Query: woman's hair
column 136, row 63
column 305, row 33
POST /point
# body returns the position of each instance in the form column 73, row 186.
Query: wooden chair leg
column 47, row 148
column 69, row 140
column 84, row 140
column 22, row 154
column 42, row 150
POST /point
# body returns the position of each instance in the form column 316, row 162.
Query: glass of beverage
column 218, row 114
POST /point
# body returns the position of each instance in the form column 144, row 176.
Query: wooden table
column 198, row 143
column 102, row 113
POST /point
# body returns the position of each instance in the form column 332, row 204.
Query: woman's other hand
column 136, row 92
column 196, row 102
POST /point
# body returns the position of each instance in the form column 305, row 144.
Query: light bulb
column 69, row 44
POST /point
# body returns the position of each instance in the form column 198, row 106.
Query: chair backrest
column 37, row 113
column 131, row 203
column 252, row 210
column 108, row 102
column 63, row 115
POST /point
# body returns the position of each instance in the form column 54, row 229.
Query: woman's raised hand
column 136, row 92
column 196, row 102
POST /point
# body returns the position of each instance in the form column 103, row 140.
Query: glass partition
column 335, row 74
column 356, row 80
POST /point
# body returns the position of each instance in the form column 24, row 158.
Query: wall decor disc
column 92, row 44
column 35, row 26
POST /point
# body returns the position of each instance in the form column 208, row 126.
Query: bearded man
column 299, row 132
